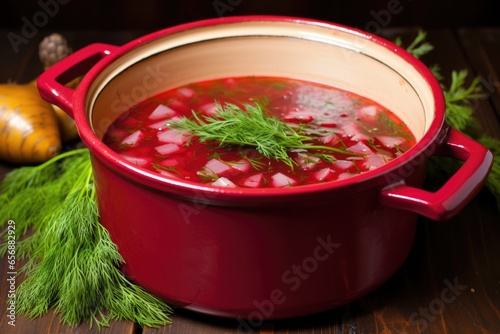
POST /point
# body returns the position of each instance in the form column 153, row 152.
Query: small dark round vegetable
column 52, row 49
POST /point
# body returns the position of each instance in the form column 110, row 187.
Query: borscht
column 258, row 132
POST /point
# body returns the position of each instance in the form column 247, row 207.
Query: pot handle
column 51, row 83
column 456, row 192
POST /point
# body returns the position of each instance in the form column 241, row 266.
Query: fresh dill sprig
column 73, row 265
column 493, row 182
column 459, row 98
column 419, row 46
column 251, row 127
column 461, row 102
column 255, row 162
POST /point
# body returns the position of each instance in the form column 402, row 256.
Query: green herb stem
column 461, row 101
column 330, row 148
column 72, row 264
column 251, row 127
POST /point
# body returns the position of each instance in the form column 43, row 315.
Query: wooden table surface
column 462, row 253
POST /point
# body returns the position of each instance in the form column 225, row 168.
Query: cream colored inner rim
column 340, row 59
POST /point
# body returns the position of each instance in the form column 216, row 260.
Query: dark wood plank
column 473, row 50
column 462, row 252
column 189, row 322
column 453, row 57
column 20, row 62
column 49, row 323
column 482, row 49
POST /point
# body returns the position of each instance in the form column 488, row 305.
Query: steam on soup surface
column 369, row 134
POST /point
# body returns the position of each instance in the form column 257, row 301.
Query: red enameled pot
column 261, row 254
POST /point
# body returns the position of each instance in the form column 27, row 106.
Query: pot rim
column 114, row 161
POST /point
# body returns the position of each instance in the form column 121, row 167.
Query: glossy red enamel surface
column 265, row 253
column 225, row 260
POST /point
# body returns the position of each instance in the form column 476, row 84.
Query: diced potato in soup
column 331, row 117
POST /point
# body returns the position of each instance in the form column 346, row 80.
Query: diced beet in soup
column 330, row 116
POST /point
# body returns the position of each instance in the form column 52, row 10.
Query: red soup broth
column 333, row 117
